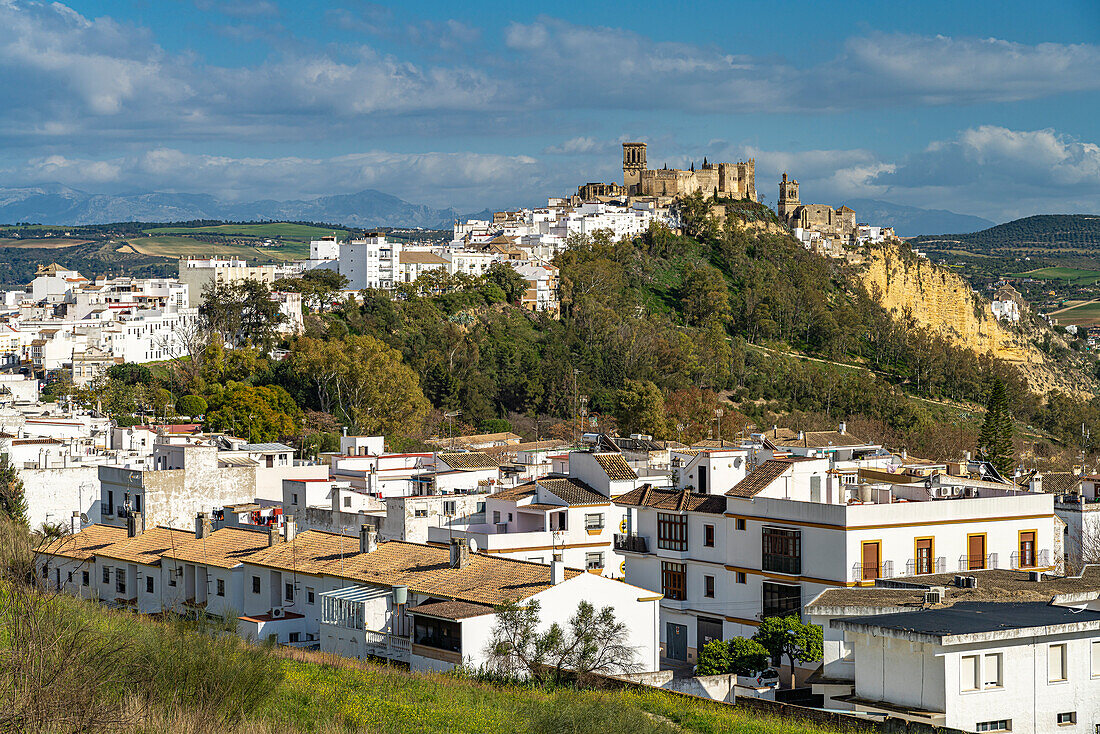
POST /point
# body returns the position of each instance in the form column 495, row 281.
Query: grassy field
column 281, row 230
column 113, row 671
column 175, row 246
column 46, row 243
column 1075, row 276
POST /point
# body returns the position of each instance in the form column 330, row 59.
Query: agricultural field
column 1086, row 313
column 1074, row 276
column 176, row 246
column 274, row 230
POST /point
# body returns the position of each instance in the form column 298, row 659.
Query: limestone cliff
column 944, row 302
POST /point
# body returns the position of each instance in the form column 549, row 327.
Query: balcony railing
column 971, row 562
column 866, row 572
column 385, row 645
column 915, row 568
column 631, row 543
column 1038, row 559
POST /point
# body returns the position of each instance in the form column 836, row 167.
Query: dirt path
column 1070, row 308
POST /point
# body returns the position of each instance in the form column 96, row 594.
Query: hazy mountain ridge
column 56, row 204
column 910, row 221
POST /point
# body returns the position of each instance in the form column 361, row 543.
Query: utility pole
column 576, row 407
column 718, row 413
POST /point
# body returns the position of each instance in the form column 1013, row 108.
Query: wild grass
column 69, row 665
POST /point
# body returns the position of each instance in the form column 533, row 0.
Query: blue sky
column 984, row 108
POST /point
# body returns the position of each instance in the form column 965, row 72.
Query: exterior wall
column 54, row 494
column 66, row 575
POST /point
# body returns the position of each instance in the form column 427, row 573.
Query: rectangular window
column 969, row 674
column 120, row 580
column 171, row 577
column 782, row 552
column 294, row 498
column 220, row 587
column 255, row 584
column 992, row 670
column 740, row 577
column 998, row 725
column 309, row 595
column 148, row 584
column 781, row 599
column 421, row 512
column 708, row 587
column 295, row 636
column 815, row 488
column 674, row 581
column 1056, row 663
column 708, row 536
column 289, row 591
column 1068, row 717
column 672, row 531
column 347, row 502
column 593, row 561
column 45, row 571
column 739, row 523
column 106, row 574
column 496, row 517
column 1027, row 550
column 1096, row 660
column 84, row 580
column 449, row 508
column 593, row 521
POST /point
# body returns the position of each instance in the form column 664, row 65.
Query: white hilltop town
column 947, row 594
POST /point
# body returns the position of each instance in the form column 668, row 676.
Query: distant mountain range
column 1057, row 235
column 909, row 221
column 57, row 204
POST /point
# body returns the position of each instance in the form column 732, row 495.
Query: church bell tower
column 633, row 165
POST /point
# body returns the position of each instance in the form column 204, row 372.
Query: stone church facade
column 839, row 223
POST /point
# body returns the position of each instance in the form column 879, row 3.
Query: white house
column 980, row 666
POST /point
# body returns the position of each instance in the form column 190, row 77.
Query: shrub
column 714, row 659
column 576, row 713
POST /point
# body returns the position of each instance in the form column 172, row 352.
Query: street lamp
column 718, row 412
column 450, row 415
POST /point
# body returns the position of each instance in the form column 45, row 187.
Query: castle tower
column 633, row 165
column 788, row 197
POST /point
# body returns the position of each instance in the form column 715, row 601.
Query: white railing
column 385, row 645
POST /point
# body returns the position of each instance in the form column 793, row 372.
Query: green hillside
column 1045, row 234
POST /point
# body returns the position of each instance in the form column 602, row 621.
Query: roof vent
column 933, row 596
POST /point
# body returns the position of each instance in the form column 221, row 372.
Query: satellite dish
column 473, row 545
column 981, row 470
column 84, row 518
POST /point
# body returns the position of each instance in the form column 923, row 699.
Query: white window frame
column 1061, row 650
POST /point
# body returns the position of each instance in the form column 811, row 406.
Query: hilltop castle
column 836, row 223
column 728, row 180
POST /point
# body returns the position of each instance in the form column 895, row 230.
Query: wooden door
column 924, row 556
column 975, row 552
column 1027, row 550
column 871, row 561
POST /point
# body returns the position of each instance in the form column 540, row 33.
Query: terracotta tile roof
column 450, row 609
column 421, row 258
column 673, row 500
column 573, row 491
column 505, row 437
column 789, row 437
column 1054, row 482
column 569, row 491
column 148, row 547
column 223, row 548
column 468, row 460
column 616, row 467
column 311, row 552
column 760, row 478
column 86, row 543
column 426, row 569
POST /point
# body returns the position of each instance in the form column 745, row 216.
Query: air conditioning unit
column 933, row 596
column 278, row 613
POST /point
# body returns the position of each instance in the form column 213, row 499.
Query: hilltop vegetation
column 1044, row 234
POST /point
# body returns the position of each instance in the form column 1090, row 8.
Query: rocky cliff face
column 943, row 301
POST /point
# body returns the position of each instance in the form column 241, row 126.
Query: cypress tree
column 995, row 438
column 13, row 502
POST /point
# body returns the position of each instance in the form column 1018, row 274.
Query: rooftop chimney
column 368, row 539
column 203, row 527
column 291, row 527
column 843, row 427
column 460, row 552
column 273, row 537
column 133, row 525
column 75, row 523
column 557, row 571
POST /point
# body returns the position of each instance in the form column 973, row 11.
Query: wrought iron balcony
column 631, row 543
